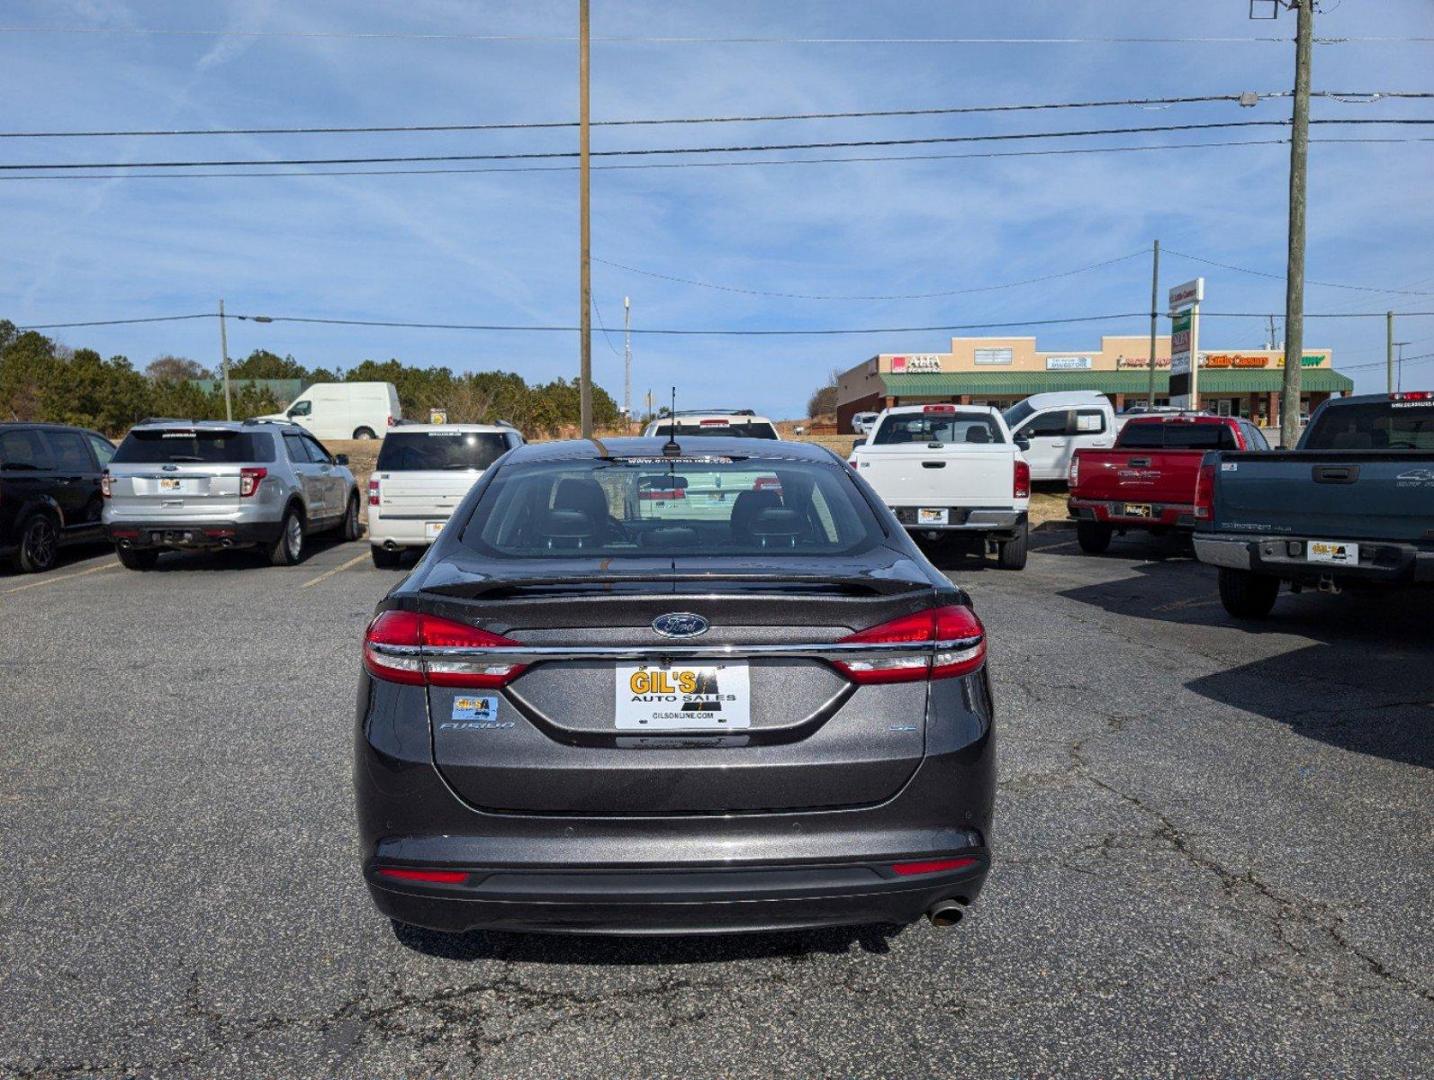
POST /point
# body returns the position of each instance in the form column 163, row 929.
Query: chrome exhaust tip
column 945, row 914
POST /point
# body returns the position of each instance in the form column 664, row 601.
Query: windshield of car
column 405, row 451
column 1375, row 425
column 179, row 446
column 677, row 507
column 938, row 427
column 736, row 429
column 1018, row 412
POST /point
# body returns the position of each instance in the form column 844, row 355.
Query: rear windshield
column 1377, row 425
column 940, row 427
column 179, row 446
column 735, row 430
column 695, row 506
column 1176, row 436
column 437, row 450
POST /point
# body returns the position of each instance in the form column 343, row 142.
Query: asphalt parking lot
column 1212, row 854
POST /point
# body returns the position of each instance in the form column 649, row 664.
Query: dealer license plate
column 932, row 516
column 169, row 483
column 1138, row 510
column 708, row 697
column 431, row 529
column 1332, row 551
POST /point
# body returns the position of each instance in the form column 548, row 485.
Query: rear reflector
column 934, row 866
column 218, row 534
column 436, row 877
column 957, row 630
column 405, row 647
column 125, row 534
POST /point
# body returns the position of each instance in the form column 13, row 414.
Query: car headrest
column 582, row 494
column 978, row 433
column 746, row 507
column 670, row 537
column 778, row 527
column 566, row 528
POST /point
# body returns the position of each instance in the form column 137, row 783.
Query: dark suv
column 49, row 490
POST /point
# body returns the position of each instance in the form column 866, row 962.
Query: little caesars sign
column 1185, row 343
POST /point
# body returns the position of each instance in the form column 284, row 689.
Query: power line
column 654, row 151
column 907, row 296
column 1351, row 97
column 121, row 322
column 1308, row 281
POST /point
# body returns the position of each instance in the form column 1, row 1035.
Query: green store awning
column 1022, row 383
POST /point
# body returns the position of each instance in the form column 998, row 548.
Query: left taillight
column 373, row 491
column 105, row 490
column 1205, row 489
column 406, row 647
column 955, row 631
column 249, row 481
column 1021, row 485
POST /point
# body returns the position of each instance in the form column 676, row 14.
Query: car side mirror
column 1022, row 443
column 341, row 459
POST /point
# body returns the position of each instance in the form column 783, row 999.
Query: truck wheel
column 385, row 559
column 137, row 558
column 39, row 543
column 1093, row 536
column 1013, row 552
column 364, row 433
column 288, row 548
column 1247, row 595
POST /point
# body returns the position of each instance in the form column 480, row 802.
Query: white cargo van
column 1058, row 424
column 344, row 410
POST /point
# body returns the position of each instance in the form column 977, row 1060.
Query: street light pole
column 1295, row 273
column 224, row 362
column 1389, row 350
column 627, row 357
column 585, row 371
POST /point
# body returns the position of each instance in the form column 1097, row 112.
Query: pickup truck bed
column 1324, row 514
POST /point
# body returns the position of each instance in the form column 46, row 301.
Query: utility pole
column 585, row 370
column 627, row 357
column 1295, row 273
column 224, row 362
column 1154, row 320
column 1389, row 350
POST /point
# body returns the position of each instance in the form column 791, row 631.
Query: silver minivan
column 184, row 484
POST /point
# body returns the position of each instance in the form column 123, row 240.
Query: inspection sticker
column 475, row 708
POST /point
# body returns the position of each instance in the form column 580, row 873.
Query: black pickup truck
column 1353, row 503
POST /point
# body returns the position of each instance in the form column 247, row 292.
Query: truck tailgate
column 1149, row 476
column 964, row 475
column 1342, row 495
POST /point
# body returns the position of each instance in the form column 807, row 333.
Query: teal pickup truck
column 1353, row 503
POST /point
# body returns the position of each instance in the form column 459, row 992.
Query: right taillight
column 373, row 491
column 406, row 647
column 249, row 481
column 955, row 631
column 1074, row 477
column 1205, row 490
column 1021, row 486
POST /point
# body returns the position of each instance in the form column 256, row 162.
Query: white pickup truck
column 949, row 471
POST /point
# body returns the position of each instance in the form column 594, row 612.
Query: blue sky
column 493, row 248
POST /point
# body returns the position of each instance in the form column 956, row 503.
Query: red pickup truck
column 1148, row 480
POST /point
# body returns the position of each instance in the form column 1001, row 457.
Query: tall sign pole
column 1389, row 350
column 585, row 331
column 1185, row 344
column 1295, row 273
column 224, row 362
column 1154, row 320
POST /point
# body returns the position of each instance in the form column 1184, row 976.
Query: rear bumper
column 1380, row 562
column 191, row 534
column 1112, row 512
column 974, row 519
column 675, row 901
column 395, row 530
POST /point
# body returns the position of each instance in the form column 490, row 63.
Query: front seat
column 584, row 495
column 745, row 508
column 978, row 433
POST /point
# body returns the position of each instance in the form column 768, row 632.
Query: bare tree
column 823, row 401
column 175, row 369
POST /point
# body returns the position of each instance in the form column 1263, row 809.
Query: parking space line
column 1182, row 605
column 330, row 573
column 62, row 577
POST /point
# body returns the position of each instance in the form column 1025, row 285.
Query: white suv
column 423, row 472
column 737, row 425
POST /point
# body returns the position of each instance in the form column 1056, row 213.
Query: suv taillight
column 1021, row 485
column 405, row 647
column 249, row 480
column 105, row 491
column 392, row 421
column 1205, row 489
column 957, row 632
column 373, row 491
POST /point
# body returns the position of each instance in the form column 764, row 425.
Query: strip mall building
column 1002, row 371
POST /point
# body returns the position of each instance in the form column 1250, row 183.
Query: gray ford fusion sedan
column 647, row 687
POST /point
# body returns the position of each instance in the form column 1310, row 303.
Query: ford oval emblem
column 680, row 624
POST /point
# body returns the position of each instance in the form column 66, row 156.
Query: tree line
column 41, row 379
